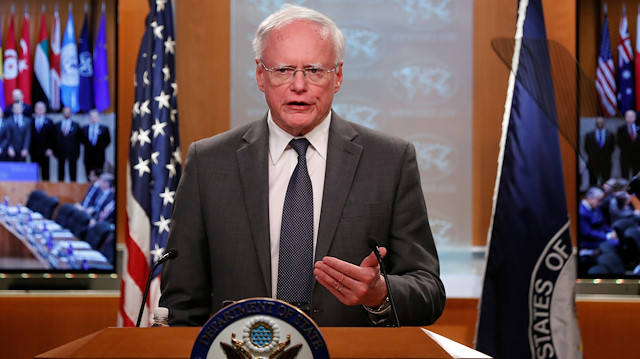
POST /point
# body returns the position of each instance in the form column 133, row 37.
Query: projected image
column 57, row 136
column 608, row 223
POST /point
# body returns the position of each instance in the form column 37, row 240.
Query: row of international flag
column 63, row 71
column 618, row 89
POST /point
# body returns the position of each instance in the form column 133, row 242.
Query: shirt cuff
column 379, row 315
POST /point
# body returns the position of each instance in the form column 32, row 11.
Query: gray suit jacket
column 220, row 225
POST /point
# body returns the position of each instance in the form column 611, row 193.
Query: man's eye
column 283, row 70
column 313, row 70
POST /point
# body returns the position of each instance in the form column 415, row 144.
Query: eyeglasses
column 285, row 74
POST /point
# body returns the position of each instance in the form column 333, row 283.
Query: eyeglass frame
column 304, row 71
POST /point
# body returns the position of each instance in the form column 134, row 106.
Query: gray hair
column 594, row 192
column 289, row 13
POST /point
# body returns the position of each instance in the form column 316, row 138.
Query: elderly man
column 18, row 97
column 599, row 145
column 629, row 143
column 20, row 135
column 95, row 138
column 285, row 207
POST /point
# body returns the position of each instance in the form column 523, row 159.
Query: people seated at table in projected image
column 592, row 227
column 105, row 204
column 620, row 207
column 91, row 197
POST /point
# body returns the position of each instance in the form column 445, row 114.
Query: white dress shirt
column 282, row 161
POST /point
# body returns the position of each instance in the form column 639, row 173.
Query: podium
column 177, row 342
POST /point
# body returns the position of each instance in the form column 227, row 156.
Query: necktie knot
column 300, row 145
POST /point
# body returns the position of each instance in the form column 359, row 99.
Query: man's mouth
column 298, row 103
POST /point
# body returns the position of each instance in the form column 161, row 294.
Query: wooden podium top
column 343, row 343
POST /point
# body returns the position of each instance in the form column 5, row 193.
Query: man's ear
column 259, row 75
column 338, row 82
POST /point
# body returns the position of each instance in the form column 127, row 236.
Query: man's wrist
column 382, row 309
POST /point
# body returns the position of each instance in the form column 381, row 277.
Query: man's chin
column 299, row 124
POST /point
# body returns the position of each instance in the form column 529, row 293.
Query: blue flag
column 101, row 68
column 85, row 69
column 154, row 157
column 527, row 309
column 69, row 77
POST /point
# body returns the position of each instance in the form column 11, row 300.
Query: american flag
column 625, row 66
column 605, row 75
column 154, row 165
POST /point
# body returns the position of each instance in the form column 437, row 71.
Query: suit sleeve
column 27, row 135
column 106, row 137
column 413, row 264
column 185, row 282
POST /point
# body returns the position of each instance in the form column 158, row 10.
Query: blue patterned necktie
column 295, row 265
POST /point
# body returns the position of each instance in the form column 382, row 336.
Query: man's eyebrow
column 305, row 66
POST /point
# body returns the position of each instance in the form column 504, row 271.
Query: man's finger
column 371, row 260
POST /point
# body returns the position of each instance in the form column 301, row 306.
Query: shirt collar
column 279, row 139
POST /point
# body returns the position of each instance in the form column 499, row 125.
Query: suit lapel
column 343, row 156
column 252, row 156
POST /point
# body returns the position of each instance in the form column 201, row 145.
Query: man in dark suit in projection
column 67, row 145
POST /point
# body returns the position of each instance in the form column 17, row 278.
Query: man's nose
column 299, row 82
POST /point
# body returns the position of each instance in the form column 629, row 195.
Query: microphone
column 373, row 244
column 169, row 255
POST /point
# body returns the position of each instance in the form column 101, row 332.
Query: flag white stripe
column 41, row 68
column 137, row 231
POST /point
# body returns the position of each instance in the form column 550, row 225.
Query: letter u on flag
column 527, row 308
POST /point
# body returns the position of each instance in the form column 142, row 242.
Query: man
column 20, row 135
column 598, row 242
column 18, row 97
column 232, row 225
column 95, row 138
column 599, row 145
column 93, row 192
column 41, row 147
column 593, row 230
column 629, row 144
column 105, row 202
column 67, row 145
